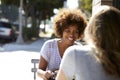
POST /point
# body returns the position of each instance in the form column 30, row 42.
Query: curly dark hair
column 67, row 17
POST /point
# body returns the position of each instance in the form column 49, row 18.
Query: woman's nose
column 71, row 33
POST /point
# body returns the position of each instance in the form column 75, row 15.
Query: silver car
column 6, row 31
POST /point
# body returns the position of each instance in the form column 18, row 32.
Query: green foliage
column 86, row 4
column 9, row 12
column 37, row 10
column 29, row 33
column 40, row 8
column 53, row 36
column 10, row 2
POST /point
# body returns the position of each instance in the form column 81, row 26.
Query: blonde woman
column 100, row 59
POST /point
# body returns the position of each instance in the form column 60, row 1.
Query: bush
column 29, row 33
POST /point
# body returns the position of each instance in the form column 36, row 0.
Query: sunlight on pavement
column 1, row 49
column 17, row 65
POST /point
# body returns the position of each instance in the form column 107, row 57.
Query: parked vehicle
column 6, row 31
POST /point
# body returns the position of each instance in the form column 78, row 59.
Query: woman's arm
column 61, row 75
column 42, row 73
column 42, row 67
column 43, row 63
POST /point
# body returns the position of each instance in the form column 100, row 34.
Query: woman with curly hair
column 100, row 59
column 69, row 25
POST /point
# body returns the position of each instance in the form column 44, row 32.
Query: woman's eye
column 77, row 32
column 67, row 30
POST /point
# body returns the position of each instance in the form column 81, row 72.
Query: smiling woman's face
column 70, row 34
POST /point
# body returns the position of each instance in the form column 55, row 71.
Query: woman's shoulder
column 51, row 43
column 51, row 40
column 79, row 50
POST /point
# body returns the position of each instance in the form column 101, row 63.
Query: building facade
column 96, row 3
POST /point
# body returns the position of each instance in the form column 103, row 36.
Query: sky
column 72, row 3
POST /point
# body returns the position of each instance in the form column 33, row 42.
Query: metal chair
column 34, row 69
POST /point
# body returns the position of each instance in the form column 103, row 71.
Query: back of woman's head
column 103, row 32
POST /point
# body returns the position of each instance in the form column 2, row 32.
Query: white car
column 6, row 31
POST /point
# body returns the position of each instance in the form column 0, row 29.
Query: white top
column 78, row 63
column 50, row 53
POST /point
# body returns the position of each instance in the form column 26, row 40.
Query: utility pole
column 20, row 37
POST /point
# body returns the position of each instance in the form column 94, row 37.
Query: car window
column 3, row 24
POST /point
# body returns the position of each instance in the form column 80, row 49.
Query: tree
column 9, row 12
column 37, row 10
column 86, row 6
column 41, row 8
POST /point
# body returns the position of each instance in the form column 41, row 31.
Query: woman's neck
column 62, row 47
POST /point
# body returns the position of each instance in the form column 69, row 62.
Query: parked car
column 6, row 31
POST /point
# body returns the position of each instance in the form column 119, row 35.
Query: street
column 34, row 46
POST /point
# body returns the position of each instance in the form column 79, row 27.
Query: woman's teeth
column 70, row 38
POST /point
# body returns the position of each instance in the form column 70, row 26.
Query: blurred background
column 27, row 20
column 25, row 25
column 32, row 19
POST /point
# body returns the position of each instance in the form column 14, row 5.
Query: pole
column 20, row 37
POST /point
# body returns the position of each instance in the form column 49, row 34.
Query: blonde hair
column 103, row 32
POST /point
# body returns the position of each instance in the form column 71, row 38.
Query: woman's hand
column 45, row 75
column 48, row 74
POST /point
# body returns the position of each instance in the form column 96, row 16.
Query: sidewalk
column 34, row 46
column 15, row 60
column 16, row 65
